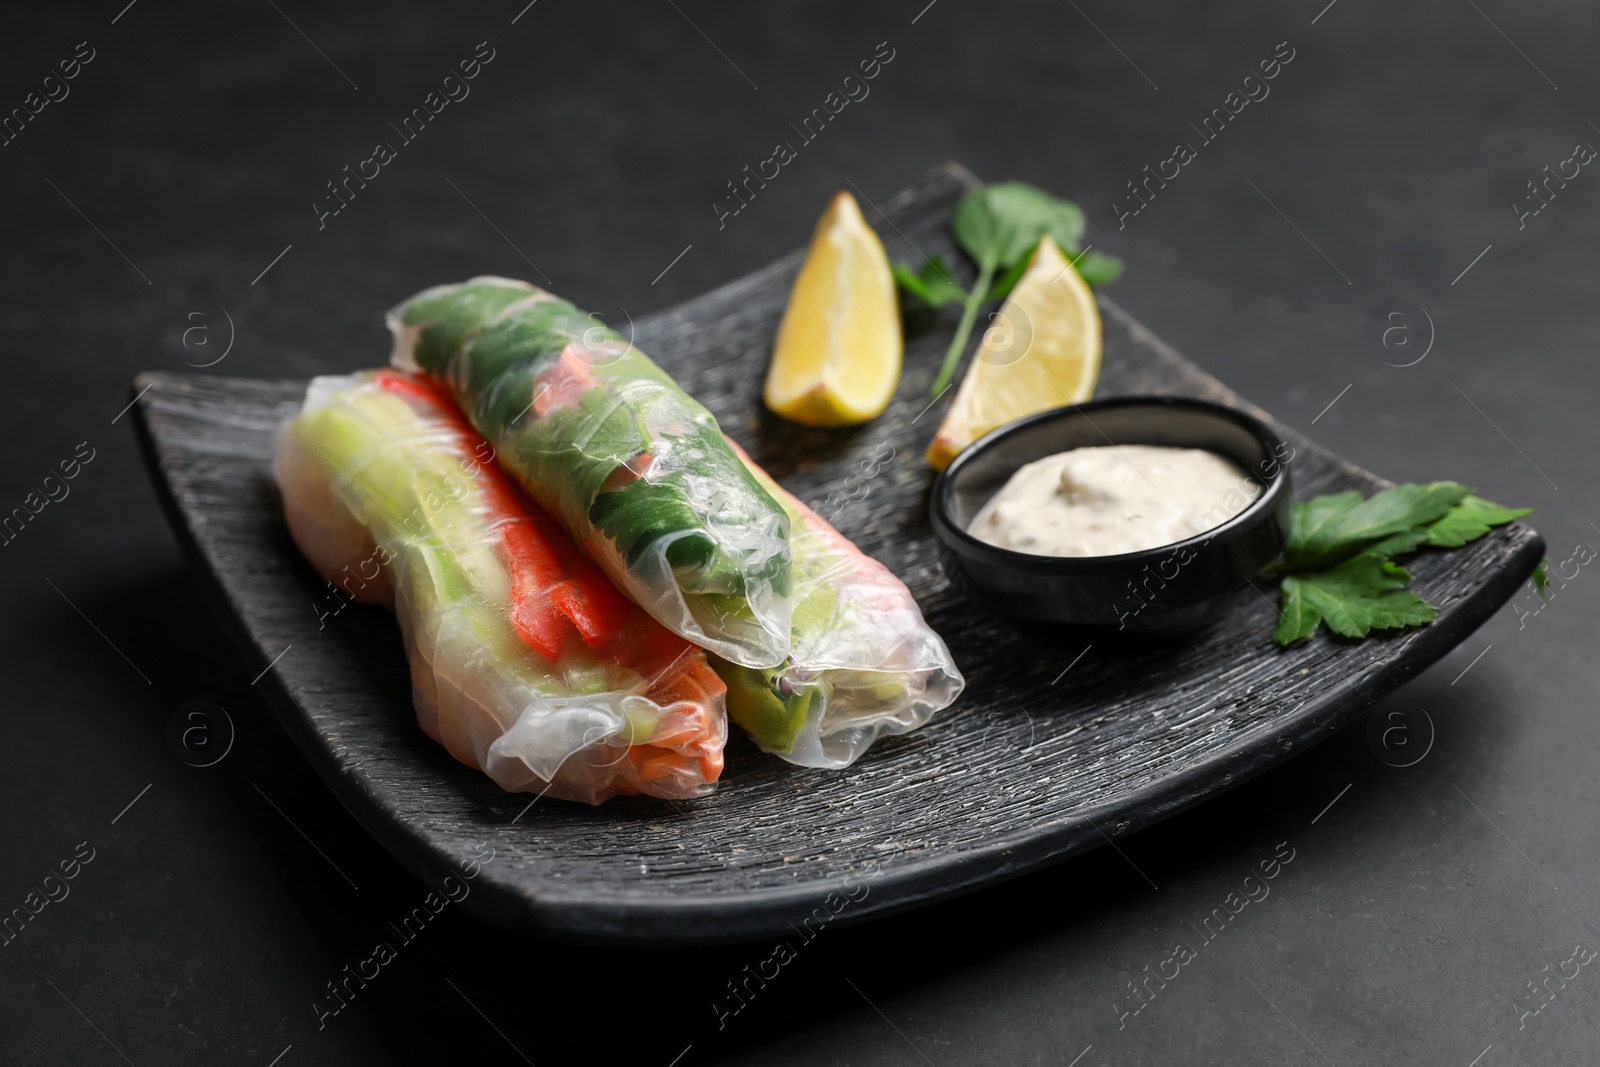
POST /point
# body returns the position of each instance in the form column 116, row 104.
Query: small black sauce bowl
column 1155, row 592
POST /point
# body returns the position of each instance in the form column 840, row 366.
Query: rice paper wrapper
column 862, row 664
column 605, row 441
column 525, row 662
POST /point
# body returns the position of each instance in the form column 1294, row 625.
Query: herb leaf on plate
column 934, row 284
column 1008, row 281
column 1470, row 520
column 1353, row 599
column 1330, row 529
column 999, row 226
column 1095, row 268
column 1339, row 563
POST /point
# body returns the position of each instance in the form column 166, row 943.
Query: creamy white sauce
column 1107, row 500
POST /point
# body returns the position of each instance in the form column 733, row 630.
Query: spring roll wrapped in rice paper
column 526, row 662
column 862, row 664
column 608, row 444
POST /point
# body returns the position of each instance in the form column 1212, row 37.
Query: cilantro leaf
column 1470, row 520
column 1353, row 599
column 934, row 285
column 1331, row 529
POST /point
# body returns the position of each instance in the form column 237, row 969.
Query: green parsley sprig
column 999, row 226
column 1339, row 565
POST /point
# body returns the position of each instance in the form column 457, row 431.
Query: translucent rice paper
column 525, row 661
column 863, row 663
column 606, row 442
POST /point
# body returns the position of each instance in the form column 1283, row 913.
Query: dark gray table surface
column 177, row 175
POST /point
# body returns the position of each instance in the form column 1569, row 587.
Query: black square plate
column 1051, row 751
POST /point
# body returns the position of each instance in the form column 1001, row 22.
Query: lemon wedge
column 1041, row 350
column 837, row 357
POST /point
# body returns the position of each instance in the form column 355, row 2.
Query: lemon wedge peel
column 1041, row 351
column 839, row 349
